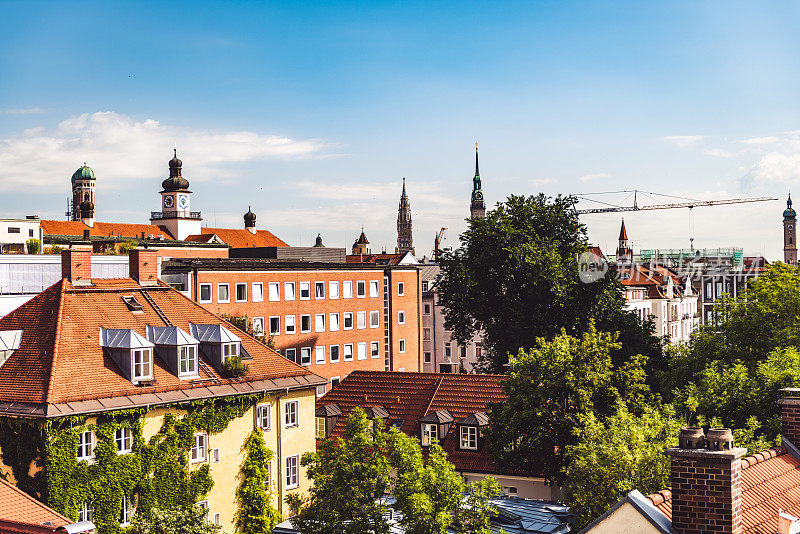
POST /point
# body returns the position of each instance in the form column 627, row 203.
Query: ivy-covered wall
column 155, row 474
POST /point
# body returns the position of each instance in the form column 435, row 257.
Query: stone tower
column 624, row 252
column 83, row 182
column 789, row 234
column 361, row 245
column 477, row 207
column 405, row 239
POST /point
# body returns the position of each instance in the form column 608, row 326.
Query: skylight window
column 9, row 342
column 132, row 304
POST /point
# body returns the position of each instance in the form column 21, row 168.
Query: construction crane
column 689, row 202
column 437, row 243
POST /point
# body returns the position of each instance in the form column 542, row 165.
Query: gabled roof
column 169, row 335
column 101, row 229
column 240, row 237
column 476, row 419
column 61, row 368
column 122, row 338
column 18, row 506
column 212, row 333
column 409, row 397
column 439, row 416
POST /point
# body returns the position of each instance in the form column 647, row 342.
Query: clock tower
column 477, row 208
column 175, row 212
column 789, row 234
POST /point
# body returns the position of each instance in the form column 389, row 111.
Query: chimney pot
column 691, row 437
column 720, row 439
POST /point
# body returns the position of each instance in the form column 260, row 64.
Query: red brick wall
column 409, row 303
column 327, row 306
column 143, row 266
column 188, row 252
column 76, row 265
column 706, row 491
column 790, row 418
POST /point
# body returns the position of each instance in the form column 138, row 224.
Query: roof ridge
column 56, row 340
column 36, row 501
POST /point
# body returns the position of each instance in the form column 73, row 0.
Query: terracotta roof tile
column 101, row 229
column 60, row 359
column 18, row 506
column 240, row 237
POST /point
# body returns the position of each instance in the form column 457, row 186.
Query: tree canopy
column 514, row 278
column 182, row 520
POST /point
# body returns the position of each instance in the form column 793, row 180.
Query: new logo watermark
column 591, row 267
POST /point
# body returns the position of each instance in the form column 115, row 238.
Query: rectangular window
column 262, row 417
column 469, row 437
column 305, row 290
column 142, row 364
column 305, row 356
column 401, row 317
column 402, row 346
column 288, row 291
column 13, row 230
column 348, row 321
column 478, row 350
column 319, row 322
column 430, row 432
column 30, row 233
column 292, row 474
column 126, row 514
column 375, row 349
column 319, row 290
column 188, row 360
column 123, row 437
column 291, row 355
column 223, row 293
column 427, row 309
column 424, row 286
column 334, row 323
column 335, row 381
column 205, row 292
column 258, row 292
column 447, row 350
column 373, row 288
column 241, row 292
column 333, row 290
column 229, row 350
column 258, row 326
column 347, row 289
column 401, row 289
column 426, row 334
column 361, row 321
column 85, row 512
column 462, row 351
column 362, row 350
column 86, row 445
column 305, row 323
column 274, row 291
column 348, row 352
column 427, row 357
column 290, row 414
column 374, row 319
column 274, row 326
column 290, row 324
column 320, row 360
column 321, row 390
column 334, row 353
column 361, row 289
column 320, row 427
column 199, row 448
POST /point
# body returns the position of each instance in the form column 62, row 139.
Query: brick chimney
column 790, row 415
column 143, row 266
column 706, row 488
column 76, row 266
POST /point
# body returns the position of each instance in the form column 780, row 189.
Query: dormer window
column 430, row 432
column 132, row 352
column 188, row 360
column 229, row 350
column 142, row 364
column 9, row 342
column 435, row 425
column 177, row 348
column 218, row 343
column 469, row 431
column 469, row 438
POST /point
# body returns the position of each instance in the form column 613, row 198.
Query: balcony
column 158, row 215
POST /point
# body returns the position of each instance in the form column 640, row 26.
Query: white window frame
column 273, row 291
column 86, row 445
column 258, row 291
column 333, row 322
column 321, row 390
column 333, row 290
column 123, row 438
column 305, row 356
column 127, row 511
column 190, row 358
column 430, row 432
column 345, row 348
column 361, row 289
column 319, row 428
column 199, row 451
column 361, row 320
column 258, row 326
column 236, row 289
column 263, row 417
column 307, row 286
column 210, row 293
column 468, row 438
column 374, row 319
column 148, row 364
column 362, row 350
column 290, row 324
column 374, row 349
column 374, row 288
column 228, row 287
column 317, row 286
column 347, row 289
column 291, row 356
column 401, row 317
column 232, row 350
column 305, row 330
column 427, row 357
column 291, row 414
column 277, row 331
column 319, row 322
column 337, row 379
column 319, row 352
column 85, row 512
column 401, row 289
column 292, row 471
column 347, row 315
column 336, row 349
column 288, row 291
column 401, row 346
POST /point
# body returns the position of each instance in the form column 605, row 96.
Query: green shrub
column 234, row 367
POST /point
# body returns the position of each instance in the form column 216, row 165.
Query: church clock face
column 169, row 201
column 183, row 201
column 478, row 196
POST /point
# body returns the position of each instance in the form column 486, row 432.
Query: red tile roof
column 383, row 259
column 18, row 507
column 770, row 481
column 101, row 229
column 240, row 237
column 411, row 396
column 60, row 359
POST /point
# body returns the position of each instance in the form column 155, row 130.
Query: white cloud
column 24, row 111
column 538, row 182
column 761, row 140
column 719, row 153
column 775, row 168
column 592, row 177
column 123, row 150
column 683, row 140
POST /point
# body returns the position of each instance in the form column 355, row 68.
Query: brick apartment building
column 333, row 318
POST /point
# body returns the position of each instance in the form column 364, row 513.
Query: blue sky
column 313, row 112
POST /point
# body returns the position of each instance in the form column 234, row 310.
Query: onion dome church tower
column 789, row 234
column 83, row 182
column 175, row 212
column 477, row 207
column 405, row 238
column 250, row 221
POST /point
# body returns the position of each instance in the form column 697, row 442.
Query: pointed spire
column 477, row 172
column 623, row 234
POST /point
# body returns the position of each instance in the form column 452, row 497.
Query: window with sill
column 142, row 364
column 334, row 350
column 288, row 291
column 462, row 351
column 290, row 414
column 426, row 334
column 320, row 360
column 187, row 360
column 223, row 293
column 361, row 289
column 262, row 417
column 274, row 291
column 290, row 324
column 205, row 292
column 333, row 290
column 362, row 350
column 85, row 512
column 258, row 292
column 123, row 437
column 401, row 289
column 430, row 432
column 334, row 322
column 305, row 324
column 319, row 290
column 291, row 355
column 305, row 356
column 320, row 427
column 292, row 472
column 274, row 326
column 86, row 444
column 347, row 350
column 424, row 286
column 348, row 321
column 321, row 389
column 374, row 319
column 319, row 322
column 126, row 514
column 402, row 346
column 199, row 448
column 427, row 357
column 361, row 320
column 375, row 349
column 347, row 289
column 258, row 326
column 447, row 350
column 401, row 317
column 241, row 292
column 229, row 350
column 469, row 438
column 374, row 288
column 427, row 309
column 305, row 290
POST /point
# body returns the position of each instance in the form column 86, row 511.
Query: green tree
column 182, row 520
column 515, row 278
column 616, row 456
column 476, row 511
column 550, row 389
column 350, row 478
column 256, row 515
column 33, row 245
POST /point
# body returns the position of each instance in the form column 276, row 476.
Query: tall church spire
column 789, row 233
column 477, row 207
column 405, row 239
